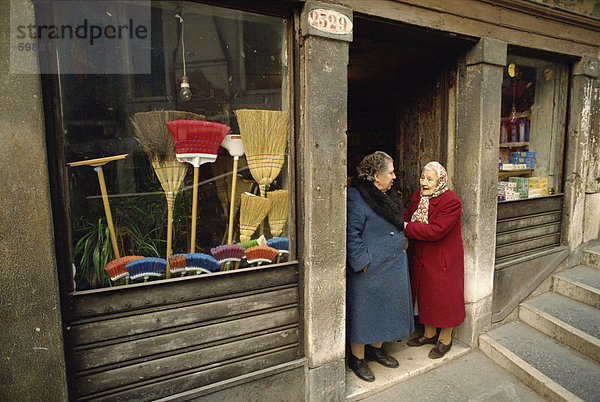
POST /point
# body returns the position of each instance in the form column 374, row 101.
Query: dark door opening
column 400, row 83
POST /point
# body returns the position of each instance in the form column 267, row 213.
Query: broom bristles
column 278, row 212
column 264, row 134
column 253, row 210
column 170, row 173
column 153, row 135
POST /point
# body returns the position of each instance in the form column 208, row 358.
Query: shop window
column 531, row 128
column 233, row 61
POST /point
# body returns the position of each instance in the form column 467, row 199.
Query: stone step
column 580, row 283
column 591, row 257
column 413, row 361
column 555, row 371
column 573, row 323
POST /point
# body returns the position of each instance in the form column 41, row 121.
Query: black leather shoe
column 361, row 368
column 439, row 350
column 380, row 356
column 422, row 340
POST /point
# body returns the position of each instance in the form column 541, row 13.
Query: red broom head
column 227, row 253
column 196, row 137
column 116, row 268
column 260, row 254
column 177, row 263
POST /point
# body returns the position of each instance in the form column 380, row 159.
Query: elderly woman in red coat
column 432, row 224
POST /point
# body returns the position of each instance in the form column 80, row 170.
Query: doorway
column 401, row 96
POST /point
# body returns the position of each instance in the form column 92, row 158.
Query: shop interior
column 400, row 96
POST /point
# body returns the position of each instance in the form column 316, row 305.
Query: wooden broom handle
column 109, row 220
column 232, row 199
column 98, row 163
column 169, row 238
column 194, row 209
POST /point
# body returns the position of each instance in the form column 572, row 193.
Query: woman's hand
column 405, row 225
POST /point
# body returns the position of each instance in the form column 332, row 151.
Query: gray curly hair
column 377, row 162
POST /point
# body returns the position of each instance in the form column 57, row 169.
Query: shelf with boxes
column 517, row 188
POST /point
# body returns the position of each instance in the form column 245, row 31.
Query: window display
column 207, row 131
column 531, row 128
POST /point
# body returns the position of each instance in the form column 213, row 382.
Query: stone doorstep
column 540, row 314
column 580, row 283
column 591, row 257
column 413, row 361
column 530, row 376
column 554, row 370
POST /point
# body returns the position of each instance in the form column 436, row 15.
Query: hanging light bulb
column 185, row 94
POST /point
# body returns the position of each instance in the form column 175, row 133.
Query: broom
column 196, row 142
column 152, row 134
column 235, row 147
column 253, row 210
column 264, row 133
column 278, row 211
column 242, row 186
column 97, row 164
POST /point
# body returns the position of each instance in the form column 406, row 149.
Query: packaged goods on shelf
column 538, row 186
column 523, row 154
column 508, row 195
column 536, row 192
column 503, row 185
column 514, row 166
column 506, row 191
column 522, row 186
column 528, row 162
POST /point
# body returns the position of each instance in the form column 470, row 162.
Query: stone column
column 476, row 177
column 32, row 365
column 580, row 156
column 321, row 175
column 591, row 225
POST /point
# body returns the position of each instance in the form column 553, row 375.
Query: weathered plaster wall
column 590, row 8
column 31, row 349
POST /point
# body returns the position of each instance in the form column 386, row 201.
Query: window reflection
column 234, row 60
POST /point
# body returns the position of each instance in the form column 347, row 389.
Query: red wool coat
column 437, row 261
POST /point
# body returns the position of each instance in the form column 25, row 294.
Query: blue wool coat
column 378, row 301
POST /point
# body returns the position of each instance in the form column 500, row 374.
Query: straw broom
column 154, row 137
column 243, row 186
column 253, row 210
column 224, row 185
column 264, row 133
column 278, row 211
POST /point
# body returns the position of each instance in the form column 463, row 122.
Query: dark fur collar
column 387, row 205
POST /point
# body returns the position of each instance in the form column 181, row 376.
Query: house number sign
column 329, row 21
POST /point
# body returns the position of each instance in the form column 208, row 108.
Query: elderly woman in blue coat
column 378, row 297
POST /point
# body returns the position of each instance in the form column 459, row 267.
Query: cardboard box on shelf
column 513, row 166
column 520, row 160
column 539, row 185
column 523, row 154
column 522, row 185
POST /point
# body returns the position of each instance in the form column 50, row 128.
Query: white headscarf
column 422, row 212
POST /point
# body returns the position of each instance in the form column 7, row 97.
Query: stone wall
column 32, row 363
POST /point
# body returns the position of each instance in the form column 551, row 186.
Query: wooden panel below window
column 526, row 227
column 146, row 341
